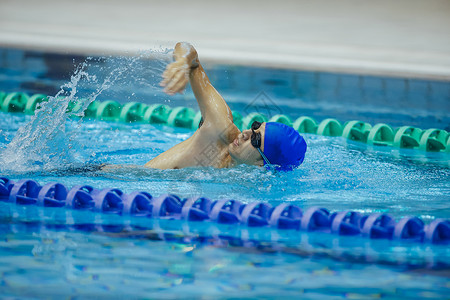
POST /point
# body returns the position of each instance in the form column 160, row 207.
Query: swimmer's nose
column 245, row 134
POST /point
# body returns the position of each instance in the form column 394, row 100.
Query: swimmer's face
column 242, row 150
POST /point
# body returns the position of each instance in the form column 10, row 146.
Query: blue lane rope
column 256, row 214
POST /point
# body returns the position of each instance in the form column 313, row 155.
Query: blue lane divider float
column 256, row 214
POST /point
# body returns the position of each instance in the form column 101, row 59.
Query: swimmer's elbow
column 155, row 164
column 151, row 165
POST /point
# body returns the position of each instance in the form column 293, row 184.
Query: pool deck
column 394, row 38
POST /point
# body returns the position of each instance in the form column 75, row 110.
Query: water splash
column 48, row 141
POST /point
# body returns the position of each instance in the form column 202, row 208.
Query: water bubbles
column 3, row 135
column 46, row 141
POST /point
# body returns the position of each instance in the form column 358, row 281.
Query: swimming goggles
column 256, row 140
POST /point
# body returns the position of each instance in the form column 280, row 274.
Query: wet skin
column 218, row 142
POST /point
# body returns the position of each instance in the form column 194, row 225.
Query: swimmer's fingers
column 178, row 82
column 168, row 74
column 105, row 167
column 174, row 82
column 172, row 69
column 179, row 88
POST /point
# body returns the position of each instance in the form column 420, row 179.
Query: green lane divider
column 381, row 135
column 405, row 137
column 2, row 96
column 74, row 106
column 108, row 111
column 14, row 102
column 196, row 120
column 305, row 125
column 281, row 119
column 237, row 119
column 447, row 147
column 329, row 127
column 356, row 131
column 91, row 111
column 33, row 102
column 157, row 113
column 433, row 140
column 252, row 117
column 181, row 117
column 132, row 112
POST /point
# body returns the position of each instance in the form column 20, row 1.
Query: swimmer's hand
column 176, row 75
column 105, row 167
column 114, row 168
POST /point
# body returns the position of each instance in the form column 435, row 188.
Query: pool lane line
column 380, row 135
column 285, row 216
column 306, row 247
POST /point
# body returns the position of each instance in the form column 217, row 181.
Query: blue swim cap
column 283, row 146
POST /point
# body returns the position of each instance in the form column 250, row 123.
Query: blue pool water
column 56, row 253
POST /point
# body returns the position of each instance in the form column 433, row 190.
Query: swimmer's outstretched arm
column 187, row 67
column 217, row 129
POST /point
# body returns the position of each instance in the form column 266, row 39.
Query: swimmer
column 218, row 142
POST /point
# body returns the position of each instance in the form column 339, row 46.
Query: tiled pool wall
column 418, row 102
